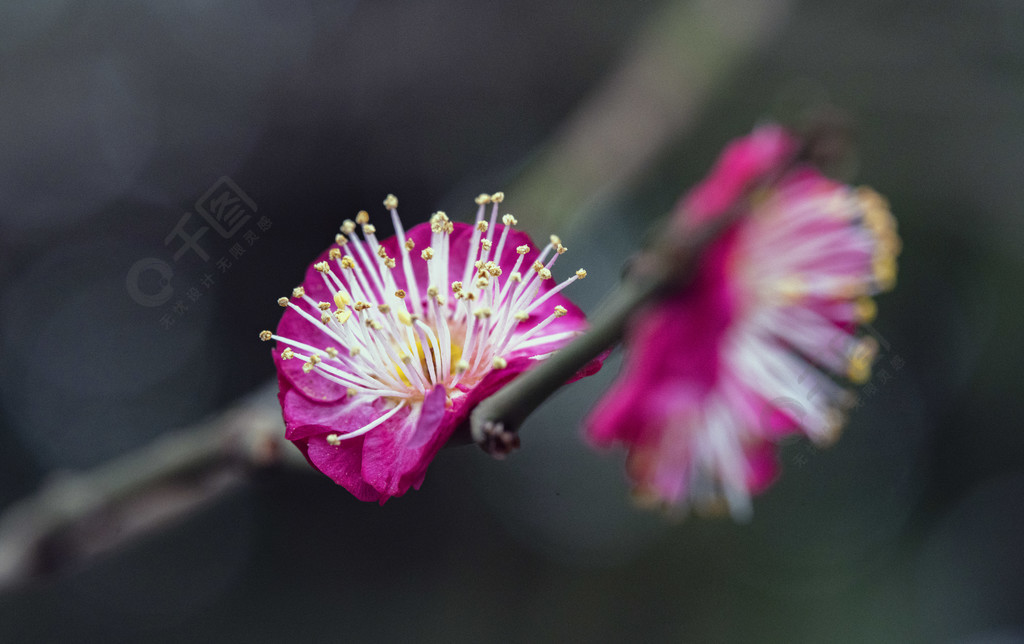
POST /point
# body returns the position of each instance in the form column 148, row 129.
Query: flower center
column 397, row 344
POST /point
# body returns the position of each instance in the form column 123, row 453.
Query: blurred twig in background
column 648, row 100
column 644, row 105
column 79, row 515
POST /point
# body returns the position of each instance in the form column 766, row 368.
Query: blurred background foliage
column 118, row 116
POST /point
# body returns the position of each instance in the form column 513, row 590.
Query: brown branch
column 76, row 516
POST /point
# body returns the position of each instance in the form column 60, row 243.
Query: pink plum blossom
column 756, row 347
column 387, row 346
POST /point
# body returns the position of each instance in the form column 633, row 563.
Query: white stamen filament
column 385, row 343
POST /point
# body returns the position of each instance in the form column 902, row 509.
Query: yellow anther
column 351, row 391
column 884, row 269
column 348, row 226
column 389, row 262
column 439, row 222
column 391, row 202
column 865, row 309
column 405, row 318
column 456, row 287
column 333, row 439
column 509, row 220
column 861, row 358
column 516, row 277
column 384, row 308
column 432, row 291
column 322, row 267
column 499, row 362
column 342, row 316
column 522, row 250
column 298, row 291
column 482, row 312
column 310, row 364
column 383, row 254
column 369, row 229
column 354, row 351
column 481, row 226
column 482, row 282
column 521, row 315
column 331, row 351
column 362, row 217
column 282, row 301
column 341, row 299
column 348, row 262
column 485, row 244
column 537, row 266
column 461, row 366
column 493, row 269
column 498, row 197
column 266, row 335
column 409, row 244
column 581, row 273
column 556, row 241
column 428, row 253
column 323, row 306
column 325, row 317
column 334, row 253
column 560, row 311
column 374, row 324
column 287, row 354
column 361, row 306
column 340, row 239
column 482, row 199
column 544, row 274
column 560, row 249
column 400, row 294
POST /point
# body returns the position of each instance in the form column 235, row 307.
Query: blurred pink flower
column 717, row 372
column 387, row 346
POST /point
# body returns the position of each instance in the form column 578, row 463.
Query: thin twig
column 76, row 516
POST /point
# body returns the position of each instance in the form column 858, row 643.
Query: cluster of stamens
column 383, row 341
column 808, row 274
